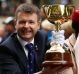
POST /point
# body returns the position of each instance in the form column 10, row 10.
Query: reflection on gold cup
column 57, row 11
column 53, row 55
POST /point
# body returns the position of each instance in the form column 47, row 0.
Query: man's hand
column 52, row 70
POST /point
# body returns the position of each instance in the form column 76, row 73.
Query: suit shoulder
column 8, row 43
column 41, row 33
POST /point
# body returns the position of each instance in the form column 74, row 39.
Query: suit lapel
column 40, row 43
column 20, row 53
column 38, row 49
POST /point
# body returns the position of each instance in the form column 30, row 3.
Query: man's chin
column 26, row 37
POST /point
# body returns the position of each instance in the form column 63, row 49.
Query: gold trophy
column 57, row 54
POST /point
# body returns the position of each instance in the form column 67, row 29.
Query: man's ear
column 15, row 26
column 39, row 25
column 15, row 23
column 15, row 20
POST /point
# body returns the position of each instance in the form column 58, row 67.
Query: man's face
column 27, row 25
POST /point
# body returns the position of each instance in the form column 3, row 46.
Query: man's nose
column 26, row 24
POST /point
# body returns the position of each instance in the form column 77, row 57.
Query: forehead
column 22, row 15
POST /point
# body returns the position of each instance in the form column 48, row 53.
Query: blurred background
column 8, row 7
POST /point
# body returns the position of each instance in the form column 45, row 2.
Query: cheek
column 36, row 29
column 38, row 26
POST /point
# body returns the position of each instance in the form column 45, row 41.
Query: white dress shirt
column 23, row 43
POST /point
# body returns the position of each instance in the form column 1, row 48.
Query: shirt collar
column 23, row 42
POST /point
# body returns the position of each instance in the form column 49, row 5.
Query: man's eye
column 31, row 22
column 22, row 22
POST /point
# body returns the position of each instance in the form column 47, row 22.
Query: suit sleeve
column 8, row 65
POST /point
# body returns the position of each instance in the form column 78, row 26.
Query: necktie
column 31, row 58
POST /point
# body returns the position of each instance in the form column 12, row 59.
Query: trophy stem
column 57, row 26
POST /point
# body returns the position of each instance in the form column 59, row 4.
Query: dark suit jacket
column 12, row 56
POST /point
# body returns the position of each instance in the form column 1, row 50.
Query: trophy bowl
column 57, row 11
column 57, row 54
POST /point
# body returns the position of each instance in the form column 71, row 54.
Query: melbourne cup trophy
column 58, row 54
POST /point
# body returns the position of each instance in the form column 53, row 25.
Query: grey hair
column 28, row 8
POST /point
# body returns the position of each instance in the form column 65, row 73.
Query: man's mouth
column 28, row 32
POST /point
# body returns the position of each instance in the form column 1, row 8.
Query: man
column 16, row 53
column 14, row 56
column 9, row 26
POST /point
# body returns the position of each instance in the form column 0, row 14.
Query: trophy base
column 56, row 63
column 57, row 58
